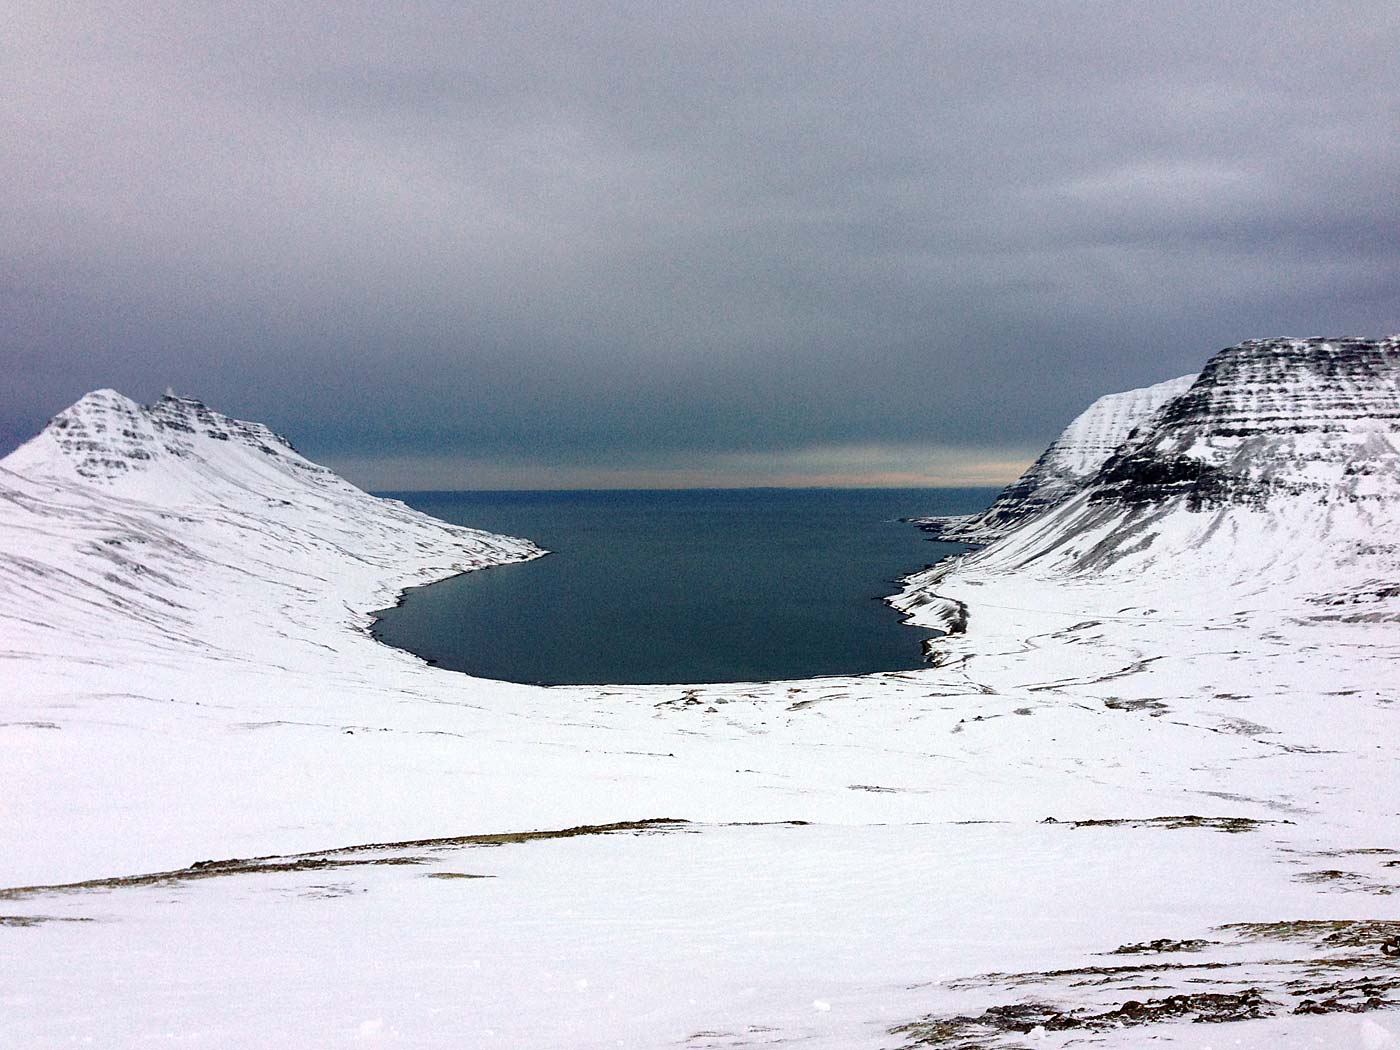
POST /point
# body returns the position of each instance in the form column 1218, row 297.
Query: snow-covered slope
column 160, row 517
column 1066, row 466
column 1274, row 476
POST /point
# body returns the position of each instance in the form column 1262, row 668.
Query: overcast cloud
column 480, row 245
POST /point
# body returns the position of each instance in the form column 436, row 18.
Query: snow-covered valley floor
column 980, row 854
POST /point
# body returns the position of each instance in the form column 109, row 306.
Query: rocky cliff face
column 1066, row 466
column 1278, row 469
column 1274, row 417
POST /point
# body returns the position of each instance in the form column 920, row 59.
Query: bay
column 679, row 586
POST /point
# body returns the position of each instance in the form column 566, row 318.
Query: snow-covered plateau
column 1148, row 792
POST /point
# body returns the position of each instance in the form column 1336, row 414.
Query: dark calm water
column 679, row 586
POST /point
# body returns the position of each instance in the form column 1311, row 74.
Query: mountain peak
column 1273, row 479
column 1279, row 466
column 106, row 438
column 94, row 407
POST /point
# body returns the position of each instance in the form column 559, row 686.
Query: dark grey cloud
column 464, row 240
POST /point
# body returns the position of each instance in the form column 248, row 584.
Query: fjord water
column 712, row 585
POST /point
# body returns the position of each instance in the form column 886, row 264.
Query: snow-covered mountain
column 1066, row 466
column 1280, row 462
column 163, row 515
column 1274, row 474
column 109, row 439
column 1270, row 419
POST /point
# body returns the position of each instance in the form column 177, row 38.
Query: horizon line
column 694, row 488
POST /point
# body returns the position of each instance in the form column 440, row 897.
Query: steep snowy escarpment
column 1066, row 466
column 166, row 521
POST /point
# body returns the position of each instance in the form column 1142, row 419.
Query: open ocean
column 672, row 586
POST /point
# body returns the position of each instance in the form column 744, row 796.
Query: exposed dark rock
column 1230, row 825
column 967, row 1033
column 1219, row 442
column 1162, row 944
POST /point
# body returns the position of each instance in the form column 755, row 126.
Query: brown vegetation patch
column 1230, row 825
column 971, row 1033
column 346, row 857
column 1161, row 945
column 35, row 920
column 1329, row 966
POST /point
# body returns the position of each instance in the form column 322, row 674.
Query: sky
column 516, row 245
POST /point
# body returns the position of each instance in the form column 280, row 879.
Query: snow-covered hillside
column 1153, row 783
column 157, row 524
column 1274, row 477
column 1066, row 466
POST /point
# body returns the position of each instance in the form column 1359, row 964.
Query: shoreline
column 921, row 646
